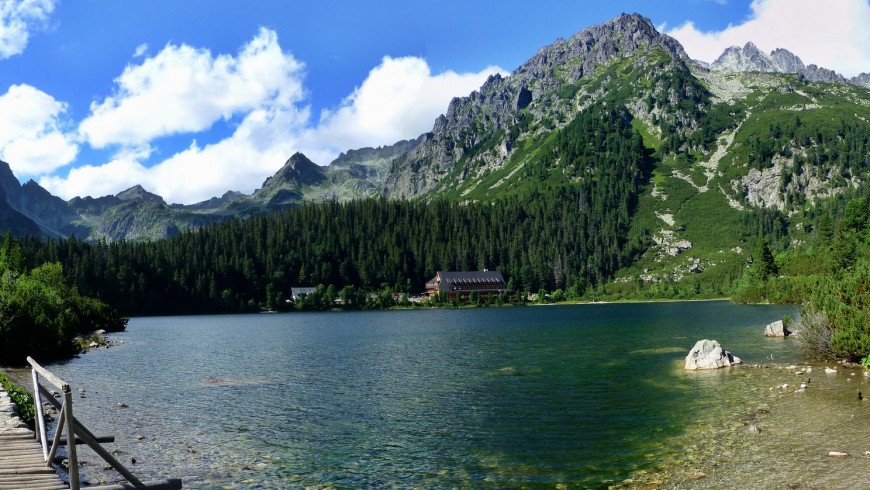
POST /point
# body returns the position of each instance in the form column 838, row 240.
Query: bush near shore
column 831, row 278
column 22, row 398
column 40, row 314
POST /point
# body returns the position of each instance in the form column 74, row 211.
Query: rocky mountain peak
column 502, row 102
column 862, row 80
column 8, row 181
column 621, row 36
column 138, row 193
column 750, row 58
column 787, row 61
column 298, row 169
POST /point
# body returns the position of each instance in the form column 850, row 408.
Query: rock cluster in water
column 708, row 354
column 776, row 329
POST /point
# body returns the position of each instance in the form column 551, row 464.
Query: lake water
column 580, row 396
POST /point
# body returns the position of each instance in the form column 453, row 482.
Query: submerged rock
column 708, row 354
column 776, row 329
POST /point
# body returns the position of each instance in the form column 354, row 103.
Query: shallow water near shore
column 580, row 396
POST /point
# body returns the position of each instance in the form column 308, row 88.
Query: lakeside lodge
column 462, row 284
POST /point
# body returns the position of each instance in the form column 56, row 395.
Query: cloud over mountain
column 184, row 89
column 260, row 96
column 32, row 139
column 831, row 34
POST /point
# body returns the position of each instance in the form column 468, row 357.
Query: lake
column 580, row 396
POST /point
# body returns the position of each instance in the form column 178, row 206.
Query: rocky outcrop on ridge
column 863, row 80
column 750, row 58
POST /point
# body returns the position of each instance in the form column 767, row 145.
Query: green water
column 539, row 397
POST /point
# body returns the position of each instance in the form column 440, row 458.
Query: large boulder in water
column 776, row 329
column 708, row 354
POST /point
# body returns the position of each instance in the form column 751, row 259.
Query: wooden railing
column 77, row 434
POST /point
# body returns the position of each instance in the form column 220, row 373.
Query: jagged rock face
column 361, row 173
column 498, row 102
column 814, row 73
column 764, row 188
column 590, row 48
column 750, row 58
column 787, row 61
column 862, row 80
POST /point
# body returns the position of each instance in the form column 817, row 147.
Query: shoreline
column 635, row 301
column 815, row 431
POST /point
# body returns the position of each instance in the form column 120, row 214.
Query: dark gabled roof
column 471, row 277
column 297, row 291
column 452, row 281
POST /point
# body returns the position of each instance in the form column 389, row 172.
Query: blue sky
column 191, row 99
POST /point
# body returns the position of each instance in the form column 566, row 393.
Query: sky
column 191, row 99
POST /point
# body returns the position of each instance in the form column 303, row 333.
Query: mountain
column 137, row 214
column 285, row 186
column 745, row 145
column 479, row 133
column 751, row 59
column 49, row 214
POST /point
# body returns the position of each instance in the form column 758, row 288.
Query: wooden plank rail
column 76, row 434
column 21, row 459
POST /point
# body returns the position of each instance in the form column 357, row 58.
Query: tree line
column 568, row 235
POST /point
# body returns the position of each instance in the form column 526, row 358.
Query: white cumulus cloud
column 97, row 180
column 32, row 139
column 17, row 19
column 399, row 99
column 833, row 34
column 257, row 148
column 185, row 90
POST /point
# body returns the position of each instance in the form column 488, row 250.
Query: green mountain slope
column 731, row 155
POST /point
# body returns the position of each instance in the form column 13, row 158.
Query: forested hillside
column 568, row 232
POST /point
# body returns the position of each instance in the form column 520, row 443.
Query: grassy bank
column 20, row 397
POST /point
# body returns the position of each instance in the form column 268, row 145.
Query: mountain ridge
column 485, row 143
column 750, row 58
